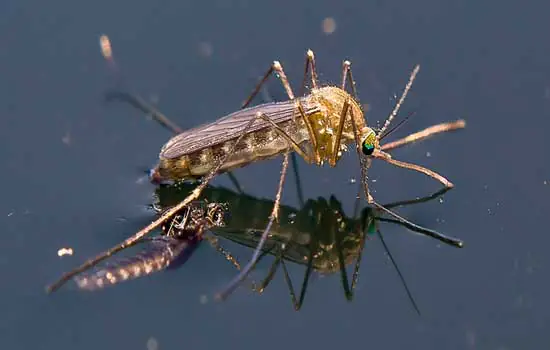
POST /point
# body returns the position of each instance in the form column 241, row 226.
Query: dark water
column 71, row 170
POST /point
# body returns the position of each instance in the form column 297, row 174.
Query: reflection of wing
column 160, row 252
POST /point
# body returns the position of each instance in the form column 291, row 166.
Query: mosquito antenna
column 387, row 133
column 394, row 263
column 401, row 100
column 140, row 104
column 134, row 100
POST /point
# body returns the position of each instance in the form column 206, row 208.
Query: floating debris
column 65, row 251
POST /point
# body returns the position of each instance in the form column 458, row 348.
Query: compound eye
column 368, row 143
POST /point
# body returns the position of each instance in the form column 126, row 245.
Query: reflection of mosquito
column 180, row 235
column 319, row 235
column 317, row 126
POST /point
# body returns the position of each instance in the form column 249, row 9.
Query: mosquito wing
column 159, row 253
column 231, row 126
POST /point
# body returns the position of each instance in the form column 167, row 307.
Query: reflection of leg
column 426, row 231
column 272, row 270
column 299, row 302
column 394, row 263
column 349, row 290
column 228, row 256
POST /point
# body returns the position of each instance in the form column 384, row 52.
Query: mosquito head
column 369, row 141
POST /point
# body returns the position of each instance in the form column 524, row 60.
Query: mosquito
column 317, row 126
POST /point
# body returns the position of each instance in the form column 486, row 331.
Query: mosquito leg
column 423, row 134
column 309, row 66
column 418, row 200
column 267, row 98
column 140, row 104
column 336, row 147
column 386, row 157
column 274, row 213
column 278, row 68
column 312, row 135
column 297, row 179
column 346, row 75
column 287, row 137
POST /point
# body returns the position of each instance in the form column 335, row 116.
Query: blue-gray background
column 70, row 169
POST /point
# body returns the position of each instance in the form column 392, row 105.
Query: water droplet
column 291, row 218
column 206, row 49
column 329, row 25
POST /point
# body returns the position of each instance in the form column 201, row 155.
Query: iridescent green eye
column 368, row 143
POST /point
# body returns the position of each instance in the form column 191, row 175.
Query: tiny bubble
column 440, row 200
column 152, row 343
column 428, row 154
column 67, row 138
column 206, row 49
column 203, row 299
column 352, row 180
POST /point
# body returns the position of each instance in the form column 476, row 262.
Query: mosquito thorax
column 331, row 100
